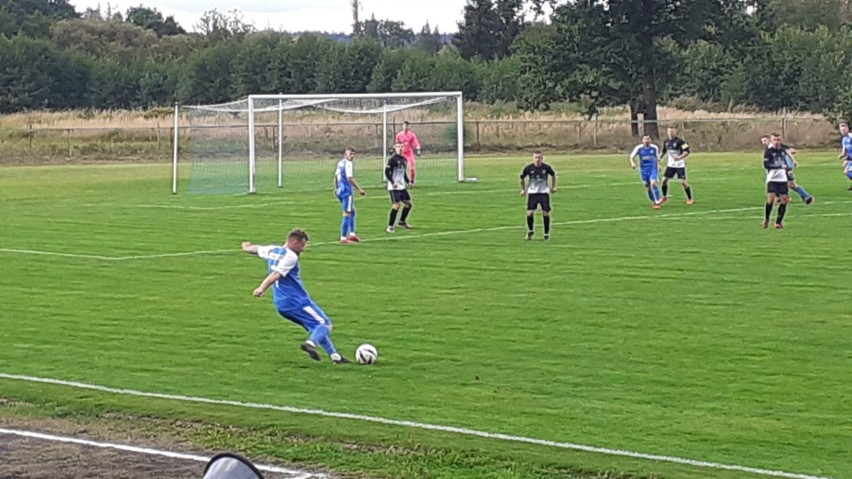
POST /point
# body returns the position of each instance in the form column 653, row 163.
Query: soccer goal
column 265, row 142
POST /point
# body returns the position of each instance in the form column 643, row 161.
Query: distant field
column 687, row 332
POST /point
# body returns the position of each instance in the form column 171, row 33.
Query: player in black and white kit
column 676, row 150
column 396, row 173
column 776, row 180
column 538, row 192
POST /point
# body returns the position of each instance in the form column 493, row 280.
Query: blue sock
column 328, row 345
column 650, row 194
column 656, row 198
column 344, row 226
column 352, row 223
column 801, row 191
column 320, row 336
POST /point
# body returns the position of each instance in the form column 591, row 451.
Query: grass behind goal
column 688, row 332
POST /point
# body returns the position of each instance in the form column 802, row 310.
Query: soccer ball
column 366, row 354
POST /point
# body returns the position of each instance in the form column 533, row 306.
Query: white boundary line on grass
column 419, row 425
column 144, row 450
column 408, row 237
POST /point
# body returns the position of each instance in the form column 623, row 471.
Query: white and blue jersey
column 288, row 293
column 846, row 143
column 342, row 174
column 648, row 156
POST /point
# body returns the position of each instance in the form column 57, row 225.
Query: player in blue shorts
column 790, row 161
column 846, row 150
column 649, row 169
column 289, row 295
column 344, row 182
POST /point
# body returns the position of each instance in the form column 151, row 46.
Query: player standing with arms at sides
column 344, row 182
column 676, row 151
column 846, row 150
column 649, row 157
column 410, row 147
column 789, row 158
column 776, row 181
column 289, row 295
column 395, row 173
column 538, row 192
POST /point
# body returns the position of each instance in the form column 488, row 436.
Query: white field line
column 413, row 236
column 419, row 425
column 370, row 197
column 296, row 474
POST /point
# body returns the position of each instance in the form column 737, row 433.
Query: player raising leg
column 289, row 295
column 649, row 157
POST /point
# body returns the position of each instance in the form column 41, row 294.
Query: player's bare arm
column 842, row 155
column 249, row 247
column 266, row 283
column 553, row 184
column 356, row 185
column 523, row 187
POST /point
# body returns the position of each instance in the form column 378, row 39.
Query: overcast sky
column 300, row 15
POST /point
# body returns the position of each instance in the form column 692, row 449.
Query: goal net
column 266, row 142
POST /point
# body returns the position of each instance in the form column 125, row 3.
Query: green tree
column 123, row 41
column 32, row 17
column 387, row 69
column 499, row 80
column 428, row 39
column 621, row 46
column 152, row 19
column 208, row 78
column 389, row 33
column 35, row 75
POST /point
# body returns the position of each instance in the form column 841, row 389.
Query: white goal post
column 214, row 130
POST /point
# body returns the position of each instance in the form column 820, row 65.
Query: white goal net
column 266, row 142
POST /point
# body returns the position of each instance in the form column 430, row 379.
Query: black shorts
column 399, row 196
column 536, row 199
column 671, row 172
column 790, row 176
column 777, row 187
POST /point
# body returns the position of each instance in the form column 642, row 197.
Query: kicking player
column 538, row 193
column 846, row 150
column 776, row 181
column 676, row 150
column 398, row 181
column 410, row 147
column 289, row 295
column 344, row 181
column 789, row 158
column 649, row 157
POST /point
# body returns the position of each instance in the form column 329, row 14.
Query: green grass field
column 688, row 332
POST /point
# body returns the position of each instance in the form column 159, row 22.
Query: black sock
column 768, row 211
column 392, row 217
column 404, row 216
column 688, row 191
column 530, row 223
column 665, row 190
column 547, row 225
column 782, row 209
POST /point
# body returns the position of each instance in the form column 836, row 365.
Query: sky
column 299, row 15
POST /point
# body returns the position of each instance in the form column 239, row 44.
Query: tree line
column 766, row 54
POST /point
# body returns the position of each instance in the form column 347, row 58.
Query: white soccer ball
column 366, row 354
